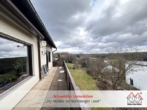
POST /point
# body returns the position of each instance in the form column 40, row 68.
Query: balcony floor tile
column 36, row 99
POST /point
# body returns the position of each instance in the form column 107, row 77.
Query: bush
column 7, row 78
column 84, row 64
column 69, row 61
column 74, row 67
column 88, row 71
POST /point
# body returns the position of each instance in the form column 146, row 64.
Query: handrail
column 70, row 76
column 74, row 86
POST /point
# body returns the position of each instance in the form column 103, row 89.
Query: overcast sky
column 9, row 49
column 95, row 26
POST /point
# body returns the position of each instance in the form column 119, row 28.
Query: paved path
column 34, row 100
column 58, row 83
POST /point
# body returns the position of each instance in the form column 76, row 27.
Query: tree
column 119, row 68
column 83, row 64
column 71, row 58
column 19, row 64
column 78, row 56
column 95, row 67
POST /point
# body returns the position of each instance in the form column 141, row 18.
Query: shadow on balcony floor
column 37, row 96
column 58, row 83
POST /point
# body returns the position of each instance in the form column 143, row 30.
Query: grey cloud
column 9, row 48
column 57, row 15
column 109, row 24
column 64, row 9
column 108, row 31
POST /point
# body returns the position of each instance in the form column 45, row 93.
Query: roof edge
column 39, row 19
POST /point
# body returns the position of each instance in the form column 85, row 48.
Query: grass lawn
column 83, row 80
column 70, row 65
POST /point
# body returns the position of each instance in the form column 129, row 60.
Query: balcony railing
column 71, row 85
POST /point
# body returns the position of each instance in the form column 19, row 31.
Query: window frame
column 49, row 56
column 29, row 51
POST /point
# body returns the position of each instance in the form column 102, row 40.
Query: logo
column 134, row 99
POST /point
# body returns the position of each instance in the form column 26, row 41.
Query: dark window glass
column 14, row 62
column 49, row 57
column 131, row 81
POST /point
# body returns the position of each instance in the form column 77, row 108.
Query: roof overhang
column 25, row 12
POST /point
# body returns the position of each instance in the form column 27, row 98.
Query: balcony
column 59, row 78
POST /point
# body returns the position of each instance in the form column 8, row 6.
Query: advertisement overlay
column 91, row 99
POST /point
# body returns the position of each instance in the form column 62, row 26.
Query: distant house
column 137, row 77
column 110, row 68
column 26, row 50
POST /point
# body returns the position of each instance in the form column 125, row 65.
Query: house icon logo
column 134, row 99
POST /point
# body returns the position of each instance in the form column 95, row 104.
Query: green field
column 83, row 80
column 70, row 65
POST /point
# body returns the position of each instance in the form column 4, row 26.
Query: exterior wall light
column 44, row 52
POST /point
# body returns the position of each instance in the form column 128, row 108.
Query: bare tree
column 71, row 58
column 119, row 68
column 116, row 71
column 95, row 67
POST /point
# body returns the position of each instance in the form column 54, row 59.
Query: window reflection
column 13, row 62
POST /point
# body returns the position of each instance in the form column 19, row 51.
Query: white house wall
column 139, row 76
column 43, row 55
column 10, row 27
